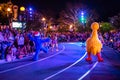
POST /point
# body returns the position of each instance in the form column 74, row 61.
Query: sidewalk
column 4, row 60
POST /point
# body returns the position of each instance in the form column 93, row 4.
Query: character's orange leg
column 100, row 59
column 89, row 57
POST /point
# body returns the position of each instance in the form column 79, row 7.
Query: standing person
column 54, row 42
column 3, row 45
column 38, row 44
column 101, row 38
column 20, row 40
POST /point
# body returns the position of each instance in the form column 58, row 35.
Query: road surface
column 66, row 64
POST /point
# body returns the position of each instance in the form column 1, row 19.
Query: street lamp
column 22, row 16
column 50, row 27
column 8, row 9
column 71, row 26
column 43, row 19
column 44, row 22
column 8, row 14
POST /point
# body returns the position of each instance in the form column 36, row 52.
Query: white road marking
column 79, row 44
column 75, row 43
column 32, row 62
column 66, row 67
column 88, row 71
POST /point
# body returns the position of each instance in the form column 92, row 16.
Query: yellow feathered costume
column 93, row 44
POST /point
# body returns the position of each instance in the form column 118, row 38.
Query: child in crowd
column 11, row 53
column 20, row 53
column 28, row 48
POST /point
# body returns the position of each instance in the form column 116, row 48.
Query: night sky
column 105, row 8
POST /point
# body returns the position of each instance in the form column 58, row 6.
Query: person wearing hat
column 38, row 43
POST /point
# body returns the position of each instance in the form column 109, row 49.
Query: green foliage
column 105, row 27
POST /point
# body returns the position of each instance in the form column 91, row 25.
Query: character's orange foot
column 100, row 60
column 88, row 59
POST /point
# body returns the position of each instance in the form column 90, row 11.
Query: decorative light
column 30, row 12
column 8, row 9
column 22, row 8
column 45, row 28
column 82, row 18
column 71, row 26
column 0, row 8
column 50, row 27
column 30, row 9
column 30, row 15
column 43, row 19
column 82, row 13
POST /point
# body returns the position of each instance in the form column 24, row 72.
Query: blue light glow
column 30, row 9
column 30, row 12
column 30, row 15
column 82, row 16
column 82, row 13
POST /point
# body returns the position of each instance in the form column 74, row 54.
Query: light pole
column 8, row 15
column 22, row 9
column 31, row 14
column 83, row 18
column 44, row 22
column 8, row 10
column 71, row 27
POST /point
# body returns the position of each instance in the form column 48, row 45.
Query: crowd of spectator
column 112, row 39
column 16, row 44
column 72, row 36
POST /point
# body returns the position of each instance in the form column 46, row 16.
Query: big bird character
column 38, row 43
column 93, row 44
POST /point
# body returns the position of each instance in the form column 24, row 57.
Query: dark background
column 105, row 8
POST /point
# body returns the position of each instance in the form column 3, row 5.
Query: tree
column 115, row 21
column 36, row 23
column 91, row 17
column 4, row 13
column 72, row 16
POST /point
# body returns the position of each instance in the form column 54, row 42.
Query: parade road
column 66, row 64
